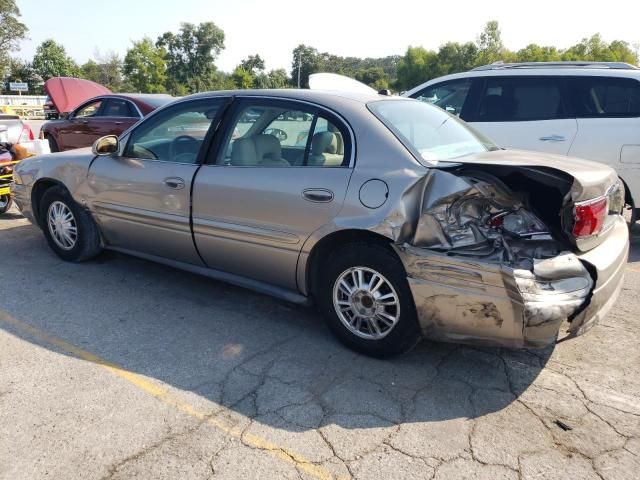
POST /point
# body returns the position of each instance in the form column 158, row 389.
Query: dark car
column 50, row 110
column 103, row 115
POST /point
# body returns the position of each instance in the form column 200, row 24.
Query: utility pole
column 299, row 67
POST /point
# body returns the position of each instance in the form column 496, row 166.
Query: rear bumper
column 465, row 300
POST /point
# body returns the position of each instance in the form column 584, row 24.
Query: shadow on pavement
column 264, row 359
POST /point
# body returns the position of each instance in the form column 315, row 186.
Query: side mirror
column 107, row 145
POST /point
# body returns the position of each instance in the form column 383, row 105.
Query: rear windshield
column 430, row 133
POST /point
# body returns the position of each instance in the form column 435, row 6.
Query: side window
column 283, row 134
column 89, row 110
column 175, row 134
column 449, row 96
column 117, row 107
column 518, row 99
column 605, row 97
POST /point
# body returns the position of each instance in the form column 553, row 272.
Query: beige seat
column 261, row 150
column 324, row 148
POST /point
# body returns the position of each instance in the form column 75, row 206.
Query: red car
column 89, row 111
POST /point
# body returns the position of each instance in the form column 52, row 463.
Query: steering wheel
column 179, row 143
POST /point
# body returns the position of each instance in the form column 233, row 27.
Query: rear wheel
column 366, row 300
column 69, row 229
column 5, row 203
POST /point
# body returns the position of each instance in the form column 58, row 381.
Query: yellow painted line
column 162, row 394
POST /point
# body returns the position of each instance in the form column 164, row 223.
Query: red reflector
column 589, row 217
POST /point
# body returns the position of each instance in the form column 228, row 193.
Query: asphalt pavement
column 121, row 368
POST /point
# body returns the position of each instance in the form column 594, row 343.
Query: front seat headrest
column 324, row 142
column 244, row 152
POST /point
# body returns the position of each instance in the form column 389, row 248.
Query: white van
column 579, row 109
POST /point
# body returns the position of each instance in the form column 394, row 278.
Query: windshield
column 430, row 133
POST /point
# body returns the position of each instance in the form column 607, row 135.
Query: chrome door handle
column 118, row 123
column 317, row 195
column 553, row 138
column 84, row 122
column 176, row 183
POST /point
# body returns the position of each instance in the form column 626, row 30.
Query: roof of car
column 542, row 69
column 299, row 94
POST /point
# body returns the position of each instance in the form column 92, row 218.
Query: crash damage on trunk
column 482, row 266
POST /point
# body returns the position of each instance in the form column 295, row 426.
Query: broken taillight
column 26, row 134
column 589, row 217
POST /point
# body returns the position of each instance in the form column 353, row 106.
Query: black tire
column 405, row 334
column 5, row 203
column 53, row 145
column 87, row 244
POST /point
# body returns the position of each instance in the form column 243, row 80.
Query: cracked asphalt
column 119, row 368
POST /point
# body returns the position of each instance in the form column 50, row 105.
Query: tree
column 490, row 47
column 253, row 64
column 374, row 77
column 273, row 79
column 105, row 69
column 242, row 78
column 306, row 60
column 597, row 50
column 536, row 53
column 22, row 71
column 51, row 60
column 456, row 57
column 145, row 67
column 12, row 30
column 418, row 65
column 191, row 54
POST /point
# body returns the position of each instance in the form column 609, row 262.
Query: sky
column 343, row 27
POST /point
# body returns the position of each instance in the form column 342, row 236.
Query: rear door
column 524, row 112
column 279, row 171
column 142, row 198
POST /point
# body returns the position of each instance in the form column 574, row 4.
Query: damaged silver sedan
column 394, row 217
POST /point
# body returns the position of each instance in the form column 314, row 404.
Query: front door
column 142, row 198
column 279, row 172
column 76, row 130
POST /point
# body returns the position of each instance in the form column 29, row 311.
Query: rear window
column 430, row 133
column 603, row 97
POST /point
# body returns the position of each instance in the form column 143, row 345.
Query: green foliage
column 12, row 30
column 253, row 64
column 145, row 67
column 597, row 50
column 242, row 78
column 490, row 47
column 191, row 54
column 105, row 69
column 51, row 60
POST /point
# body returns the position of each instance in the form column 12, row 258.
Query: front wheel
column 365, row 298
column 5, row 203
column 69, row 229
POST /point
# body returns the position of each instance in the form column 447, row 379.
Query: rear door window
column 117, row 107
column 450, row 96
column 519, row 99
column 605, row 97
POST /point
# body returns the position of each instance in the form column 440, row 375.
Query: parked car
column 397, row 220
column 581, row 109
column 50, row 110
column 17, row 131
column 89, row 111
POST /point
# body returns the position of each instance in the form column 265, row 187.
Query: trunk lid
column 590, row 179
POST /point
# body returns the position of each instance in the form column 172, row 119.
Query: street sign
column 18, row 87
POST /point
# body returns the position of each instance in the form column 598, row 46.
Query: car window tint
column 89, row 110
column 512, row 99
column 117, row 107
column 605, row 97
column 275, row 135
column 175, row 134
column 449, row 96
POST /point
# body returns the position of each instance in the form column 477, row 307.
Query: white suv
column 588, row 110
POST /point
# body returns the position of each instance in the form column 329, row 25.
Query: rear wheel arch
column 334, row 240
column 629, row 200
